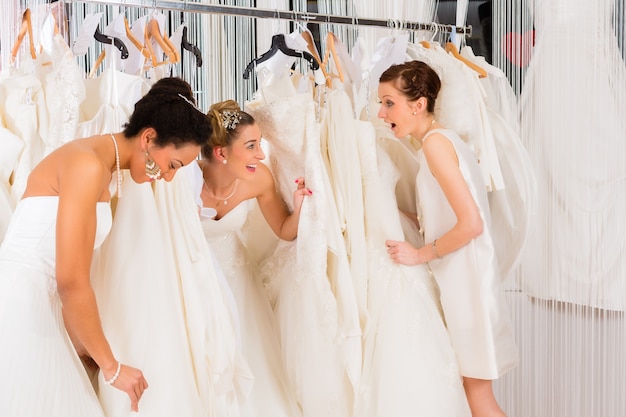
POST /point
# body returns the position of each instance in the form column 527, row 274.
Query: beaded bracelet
column 435, row 249
column 115, row 376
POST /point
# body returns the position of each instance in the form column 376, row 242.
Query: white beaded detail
column 117, row 167
column 115, row 376
column 230, row 119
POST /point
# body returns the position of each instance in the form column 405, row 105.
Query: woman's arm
column 81, row 182
column 444, row 165
column 273, row 207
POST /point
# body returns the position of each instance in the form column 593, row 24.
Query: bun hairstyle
column 227, row 120
column 169, row 108
column 414, row 79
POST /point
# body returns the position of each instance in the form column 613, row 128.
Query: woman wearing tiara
column 45, row 258
column 226, row 182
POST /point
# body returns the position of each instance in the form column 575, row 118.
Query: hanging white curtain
column 565, row 62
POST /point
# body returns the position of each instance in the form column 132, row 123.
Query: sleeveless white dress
column 270, row 395
column 469, row 279
column 42, row 374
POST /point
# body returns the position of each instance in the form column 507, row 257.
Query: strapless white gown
column 41, row 373
column 270, row 395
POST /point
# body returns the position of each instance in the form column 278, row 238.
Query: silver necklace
column 117, row 167
column 224, row 199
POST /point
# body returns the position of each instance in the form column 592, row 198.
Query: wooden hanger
column 306, row 35
column 425, row 44
column 451, row 48
column 96, row 64
column 330, row 50
column 133, row 39
column 26, row 28
column 308, row 38
column 153, row 31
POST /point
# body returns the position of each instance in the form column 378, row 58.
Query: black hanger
column 191, row 48
column 111, row 40
column 279, row 44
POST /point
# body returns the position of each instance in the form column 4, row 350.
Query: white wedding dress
column 10, row 148
column 270, row 395
column 164, row 309
column 316, row 306
column 409, row 366
column 42, row 374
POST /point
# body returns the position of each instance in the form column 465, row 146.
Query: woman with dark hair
column 455, row 221
column 226, row 182
column 45, row 258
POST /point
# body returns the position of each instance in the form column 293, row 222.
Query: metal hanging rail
column 193, row 7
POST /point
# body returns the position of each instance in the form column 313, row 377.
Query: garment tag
column 85, row 36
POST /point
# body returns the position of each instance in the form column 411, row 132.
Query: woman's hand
column 131, row 381
column 403, row 253
column 300, row 193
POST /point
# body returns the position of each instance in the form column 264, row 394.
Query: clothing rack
column 307, row 17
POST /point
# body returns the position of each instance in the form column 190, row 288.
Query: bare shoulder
column 262, row 184
column 80, row 169
column 263, row 175
column 439, row 150
column 78, row 161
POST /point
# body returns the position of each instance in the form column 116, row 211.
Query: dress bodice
column 437, row 214
column 224, row 237
column 232, row 222
column 31, row 236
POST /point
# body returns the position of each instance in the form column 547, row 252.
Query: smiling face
column 245, row 153
column 168, row 158
column 396, row 110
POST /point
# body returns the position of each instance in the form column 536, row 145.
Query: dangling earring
column 224, row 161
column 152, row 169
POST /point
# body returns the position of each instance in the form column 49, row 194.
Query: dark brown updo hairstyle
column 227, row 120
column 169, row 108
column 414, row 79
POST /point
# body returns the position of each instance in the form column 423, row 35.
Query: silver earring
column 224, row 161
column 152, row 169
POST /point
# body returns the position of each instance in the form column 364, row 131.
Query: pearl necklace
column 421, row 141
column 224, row 199
column 117, row 167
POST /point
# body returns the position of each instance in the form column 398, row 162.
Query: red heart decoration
column 518, row 47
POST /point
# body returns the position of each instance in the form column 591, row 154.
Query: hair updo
column 227, row 120
column 414, row 79
column 169, row 108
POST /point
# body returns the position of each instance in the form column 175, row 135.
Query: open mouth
column 251, row 167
